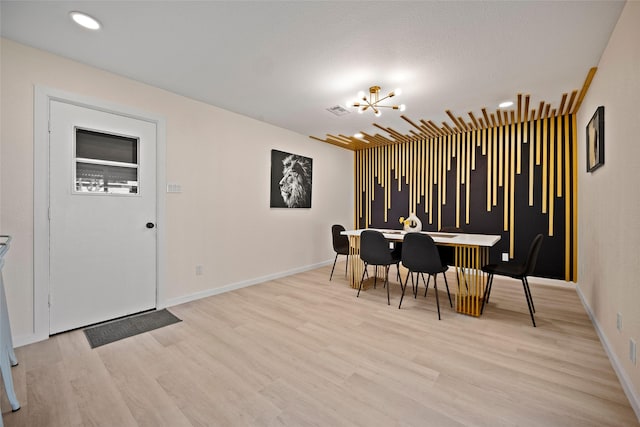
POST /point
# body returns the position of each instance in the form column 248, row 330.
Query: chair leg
column 526, row 294
column 386, row 281
column 447, row 285
column 375, row 277
column 487, row 291
column 529, row 292
column 414, row 284
column 435, row 289
column 404, row 288
column 334, row 266
column 427, row 286
column 362, row 279
column 346, row 266
column 418, row 282
column 490, row 287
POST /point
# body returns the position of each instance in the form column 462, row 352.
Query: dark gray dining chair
column 340, row 246
column 420, row 255
column 374, row 250
column 516, row 270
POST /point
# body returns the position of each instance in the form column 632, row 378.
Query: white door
column 102, row 216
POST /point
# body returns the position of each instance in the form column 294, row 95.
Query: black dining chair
column 516, row 270
column 374, row 250
column 340, row 246
column 420, row 255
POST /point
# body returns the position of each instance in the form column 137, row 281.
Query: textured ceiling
column 286, row 62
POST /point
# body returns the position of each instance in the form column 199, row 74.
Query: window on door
column 105, row 163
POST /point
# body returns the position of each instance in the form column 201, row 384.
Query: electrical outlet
column 505, row 256
column 632, row 351
column 619, row 322
column 198, row 270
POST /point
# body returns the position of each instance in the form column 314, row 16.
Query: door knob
column 150, row 225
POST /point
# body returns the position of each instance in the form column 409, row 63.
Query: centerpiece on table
column 412, row 223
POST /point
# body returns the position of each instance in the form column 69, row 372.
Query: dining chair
column 420, row 255
column 374, row 250
column 516, row 270
column 340, row 246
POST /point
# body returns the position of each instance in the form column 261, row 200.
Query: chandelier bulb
column 377, row 113
column 403, row 107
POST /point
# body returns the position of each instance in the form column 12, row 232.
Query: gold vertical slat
column 403, row 162
column 422, row 178
column 467, row 186
column 436, row 156
column 484, row 141
column 545, row 170
column 512, row 197
column 410, row 176
column 370, row 187
column 559, row 156
column 574, row 176
column 389, row 184
column 463, row 153
column 444, row 169
column 416, row 165
column 476, row 135
column 489, row 167
column 399, row 166
column 409, row 161
column 538, row 137
column 449, row 149
column 361, row 193
column 500, row 155
column 552, row 172
column 519, row 148
column 432, row 174
column 505, row 166
column 531, row 170
column 567, row 202
column 439, row 157
column 494, row 179
column 356, row 211
column 385, row 168
column 457, row 151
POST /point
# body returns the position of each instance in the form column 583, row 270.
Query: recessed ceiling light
column 85, row 20
column 505, row 104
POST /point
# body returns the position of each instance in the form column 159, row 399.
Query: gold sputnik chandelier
column 373, row 101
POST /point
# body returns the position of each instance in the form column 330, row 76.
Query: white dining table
column 471, row 253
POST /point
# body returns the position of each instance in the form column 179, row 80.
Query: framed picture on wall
column 595, row 140
column 290, row 180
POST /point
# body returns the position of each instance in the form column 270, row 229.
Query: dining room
column 276, row 327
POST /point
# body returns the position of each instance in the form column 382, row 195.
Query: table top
column 439, row 237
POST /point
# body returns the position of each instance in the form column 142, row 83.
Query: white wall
column 221, row 220
column 609, row 198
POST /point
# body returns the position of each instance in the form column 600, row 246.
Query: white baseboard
column 22, row 340
column 551, row 282
column 239, row 285
column 627, row 385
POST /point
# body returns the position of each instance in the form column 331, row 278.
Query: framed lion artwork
column 290, row 180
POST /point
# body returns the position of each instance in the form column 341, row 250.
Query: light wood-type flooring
column 303, row 351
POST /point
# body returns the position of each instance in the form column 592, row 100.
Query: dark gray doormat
column 115, row 330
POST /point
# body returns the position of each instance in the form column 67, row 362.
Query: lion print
column 295, row 185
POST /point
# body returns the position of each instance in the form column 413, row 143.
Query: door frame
column 41, row 281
